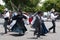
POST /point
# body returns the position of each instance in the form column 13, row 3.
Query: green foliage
column 33, row 9
column 1, row 8
column 49, row 4
column 25, row 5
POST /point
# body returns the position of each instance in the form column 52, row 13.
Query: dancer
column 19, row 25
column 53, row 18
column 38, row 24
column 6, row 16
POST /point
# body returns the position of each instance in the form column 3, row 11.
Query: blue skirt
column 15, row 28
column 44, row 29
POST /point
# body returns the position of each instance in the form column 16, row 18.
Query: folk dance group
column 18, row 25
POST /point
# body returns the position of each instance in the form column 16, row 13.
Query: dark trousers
column 37, row 31
column 5, row 25
column 53, row 27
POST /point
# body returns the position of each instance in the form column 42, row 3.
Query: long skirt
column 18, row 29
column 44, row 29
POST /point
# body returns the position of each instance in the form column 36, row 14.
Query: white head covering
column 52, row 10
column 5, row 9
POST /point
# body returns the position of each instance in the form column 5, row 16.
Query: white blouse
column 34, row 18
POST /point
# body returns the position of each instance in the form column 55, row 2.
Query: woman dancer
column 19, row 25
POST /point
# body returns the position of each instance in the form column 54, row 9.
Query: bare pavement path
column 29, row 34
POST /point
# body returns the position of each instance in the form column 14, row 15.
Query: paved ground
column 29, row 34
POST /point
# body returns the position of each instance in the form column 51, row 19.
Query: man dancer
column 53, row 17
column 6, row 18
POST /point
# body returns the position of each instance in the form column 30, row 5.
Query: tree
column 49, row 4
column 25, row 5
column 1, row 8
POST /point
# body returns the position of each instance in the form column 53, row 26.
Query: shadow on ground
column 2, row 33
column 34, row 38
column 16, row 35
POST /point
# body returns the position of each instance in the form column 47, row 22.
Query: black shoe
column 38, row 36
column 54, row 32
column 5, row 33
column 35, row 34
column 49, row 30
column 9, row 30
column 42, row 34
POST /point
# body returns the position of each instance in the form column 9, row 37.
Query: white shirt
column 26, row 15
column 6, row 15
column 26, row 21
column 53, row 17
column 44, row 18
